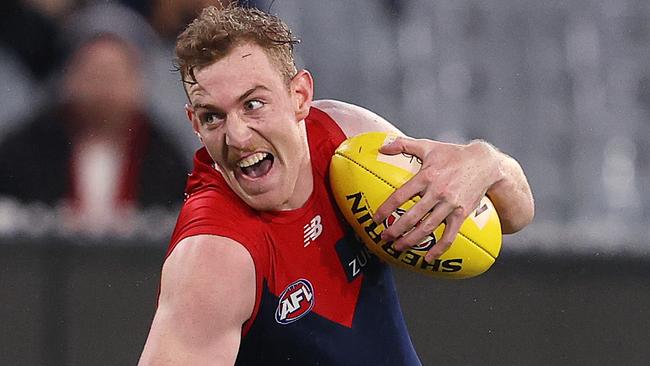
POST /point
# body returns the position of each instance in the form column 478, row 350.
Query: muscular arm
column 451, row 182
column 207, row 292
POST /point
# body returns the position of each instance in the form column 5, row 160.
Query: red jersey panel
column 280, row 242
column 321, row 298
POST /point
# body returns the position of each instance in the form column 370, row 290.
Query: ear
column 302, row 92
column 189, row 111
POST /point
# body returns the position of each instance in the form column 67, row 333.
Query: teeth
column 252, row 159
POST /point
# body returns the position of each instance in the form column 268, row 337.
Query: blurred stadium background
column 563, row 86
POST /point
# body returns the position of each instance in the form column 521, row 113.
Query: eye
column 253, row 104
column 210, row 118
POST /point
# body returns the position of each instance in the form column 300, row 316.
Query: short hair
column 216, row 31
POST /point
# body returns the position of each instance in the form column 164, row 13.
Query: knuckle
column 382, row 211
column 426, row 173
column 427, row 226
column 429, row 174
column 445, row 195
column 409, row 219
column 458, row 213
column 396, row 229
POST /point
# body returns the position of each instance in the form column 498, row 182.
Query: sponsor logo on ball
column 371, row 234
column 424, row 245
column 296, row 301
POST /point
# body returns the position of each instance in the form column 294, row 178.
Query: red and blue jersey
column 321, row 297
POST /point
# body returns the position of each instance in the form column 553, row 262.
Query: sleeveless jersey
column 321, row 297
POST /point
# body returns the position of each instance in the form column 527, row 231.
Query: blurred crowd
column 89, row 96
column 563, row 86
column 91, row 111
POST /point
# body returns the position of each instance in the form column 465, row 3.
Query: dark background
column 84, row 302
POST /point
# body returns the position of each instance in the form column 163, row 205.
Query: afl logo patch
column 425, row 244
column 295, row 302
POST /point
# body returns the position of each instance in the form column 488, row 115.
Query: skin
column 199, row 319
column 102, row 62
column 451, row 183
column 239, row 106
column 242, row 106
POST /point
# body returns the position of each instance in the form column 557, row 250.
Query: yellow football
column 362, row 179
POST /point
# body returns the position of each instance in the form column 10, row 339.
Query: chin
column 264, row 198
column 266, row 202
column 273, row 195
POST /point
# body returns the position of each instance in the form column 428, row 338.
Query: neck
column 305, row 183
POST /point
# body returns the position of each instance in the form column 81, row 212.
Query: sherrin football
column 361, row 179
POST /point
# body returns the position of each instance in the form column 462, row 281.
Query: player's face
column 251, row 123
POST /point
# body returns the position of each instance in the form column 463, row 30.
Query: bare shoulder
column 354, row 119
column 204, row 266
column 207, row 292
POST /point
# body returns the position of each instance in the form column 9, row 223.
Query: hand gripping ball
column 361, row 179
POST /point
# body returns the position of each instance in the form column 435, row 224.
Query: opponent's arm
column 451, row 183
column 207, row 292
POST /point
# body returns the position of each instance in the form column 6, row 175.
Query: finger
column 408, row 190
column 402, row 144
column 410, row 218
column 453, row 223
column 425, row 227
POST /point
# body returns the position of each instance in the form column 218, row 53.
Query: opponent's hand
column 451, row 183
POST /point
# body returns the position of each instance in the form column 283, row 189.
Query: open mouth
column 256, row 165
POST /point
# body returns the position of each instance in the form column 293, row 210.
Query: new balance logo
column 312, row 230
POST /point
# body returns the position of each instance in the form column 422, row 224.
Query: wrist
column 491, row 159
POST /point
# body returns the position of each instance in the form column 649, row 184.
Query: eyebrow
column 252, row 90
column 204, row 106
column 241, row 98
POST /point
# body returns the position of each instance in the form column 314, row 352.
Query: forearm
column 510, row 193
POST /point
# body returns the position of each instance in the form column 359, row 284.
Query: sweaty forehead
column 244, row 66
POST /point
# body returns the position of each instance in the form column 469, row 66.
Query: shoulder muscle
column 207, row 292
column 206, row 265
column 353, row 119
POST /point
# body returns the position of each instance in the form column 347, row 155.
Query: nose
column 238, row 134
